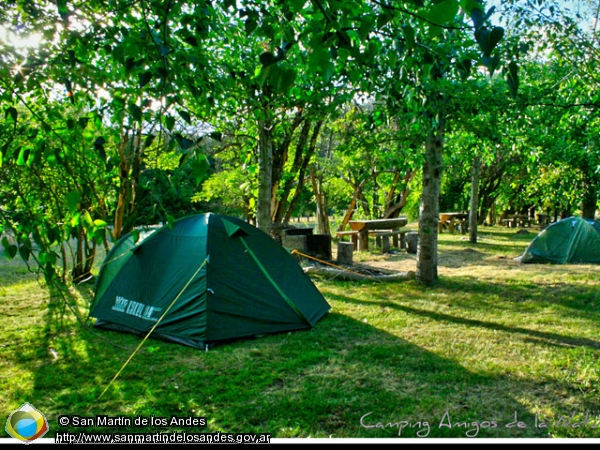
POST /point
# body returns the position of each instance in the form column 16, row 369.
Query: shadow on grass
column 541, row 337
column 584, row 299
column 304, row 384
column 317, row 383
column 14, row 272
column 516, row 247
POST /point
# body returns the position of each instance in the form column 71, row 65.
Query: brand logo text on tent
column 136, row 309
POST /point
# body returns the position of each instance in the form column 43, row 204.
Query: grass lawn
column 497, row 349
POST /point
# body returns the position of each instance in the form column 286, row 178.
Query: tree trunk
column 393, row 210
column 90, row 256
column 321, row 200
column 588, row 205
column 137, row 157
column 352, row 206
column 427, row 260
column 265, row 168
column 475, row 171
column 280, row 157
column 493, row 219
column 281, row 204
column 302, row 173
column 78, row 266
column 124, row 188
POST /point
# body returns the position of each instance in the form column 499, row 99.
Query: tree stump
column 412, row 242
column 344, row 256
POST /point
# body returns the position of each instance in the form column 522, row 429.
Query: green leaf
column 217, row 136
column 23, row 156
column 47, row 258
column 296, row 5
column 318, row 59
column 367, row 22
column 135, row 234
column 191, row 40
column 464, row 68
column 145, row 78
column 496, row 36
column 383, row 19
column 75, row 219
column 183, row 143
column 185, row 116
column 87, row 218
column 512, row 78
column 70, row 124
column 73, row 198
column 149, row 140
column 492, row 63
column 477, row 14
column 25, row 252
column 250, row 25
column 488, row 40
column 267, row 58
column 443, row 12
column 169, row 122
column 409, row 36
column 62, row 8
column 136, row 112
column 170, row 221
column 83, row 122
column 10, row 250
column 99, row 146
column 286, row 80
column 118, row 103
column 12, row 112
column 100, row 223
column 329, row 71
column 199, row 169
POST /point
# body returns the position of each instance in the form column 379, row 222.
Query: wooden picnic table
column 365, row 226
column 515, row 220
column 451, row 218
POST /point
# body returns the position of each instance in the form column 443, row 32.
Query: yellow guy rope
column 155, row 325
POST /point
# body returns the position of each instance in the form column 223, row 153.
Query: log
column 353, row 276
column 345, row 250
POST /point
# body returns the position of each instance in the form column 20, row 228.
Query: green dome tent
column 571, row 240
column 209, row 278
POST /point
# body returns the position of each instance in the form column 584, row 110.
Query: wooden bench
column 462, row 224
column 353, row 236
column 382, row 239
column 511, row 223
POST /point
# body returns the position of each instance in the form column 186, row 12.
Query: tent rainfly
column 207, row 279
column 571, row 240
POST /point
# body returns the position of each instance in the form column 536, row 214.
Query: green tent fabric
column 571, row 240
column 222, row 278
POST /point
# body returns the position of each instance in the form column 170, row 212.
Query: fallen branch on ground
column 353, row 276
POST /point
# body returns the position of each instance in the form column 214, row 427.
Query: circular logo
column 26, row 423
